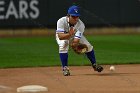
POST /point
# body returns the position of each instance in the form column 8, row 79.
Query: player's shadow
column 111, row 74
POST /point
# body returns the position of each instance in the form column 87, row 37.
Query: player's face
column 73, row 19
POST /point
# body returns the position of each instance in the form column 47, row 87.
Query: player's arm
column 75, row 42
column 78, row 35
column 63, row 36
column 76, row 39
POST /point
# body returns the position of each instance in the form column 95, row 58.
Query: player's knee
column 90, row 47
column 63, row 49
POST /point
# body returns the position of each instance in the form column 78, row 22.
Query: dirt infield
column 125, row 79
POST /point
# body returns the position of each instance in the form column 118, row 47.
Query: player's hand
column 72, row 31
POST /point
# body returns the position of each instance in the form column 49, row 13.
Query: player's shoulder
column 81, row 22
column 62, row 19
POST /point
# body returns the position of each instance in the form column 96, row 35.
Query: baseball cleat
column 66, row 71
column 97, row 67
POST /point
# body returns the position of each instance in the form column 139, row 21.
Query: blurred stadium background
column 37, row 17
column 26, row 18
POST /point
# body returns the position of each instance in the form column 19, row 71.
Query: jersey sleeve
column 60, row 26
column 80, row 31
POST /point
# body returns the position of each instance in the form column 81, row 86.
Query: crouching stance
column 69, row 32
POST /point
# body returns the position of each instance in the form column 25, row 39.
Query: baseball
column 112, row 68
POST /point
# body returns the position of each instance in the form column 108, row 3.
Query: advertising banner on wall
column 45, row 13
column 23, row 13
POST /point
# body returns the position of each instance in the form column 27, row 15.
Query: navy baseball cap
column 74, row 11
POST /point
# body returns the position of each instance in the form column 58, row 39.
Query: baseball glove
column 80, row 48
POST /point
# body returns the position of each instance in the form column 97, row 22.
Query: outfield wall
column 45, row 13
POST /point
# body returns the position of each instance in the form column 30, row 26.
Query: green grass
column 43, row 51
column 117, row 49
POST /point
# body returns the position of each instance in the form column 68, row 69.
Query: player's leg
column 91, row 55
column 63, row 53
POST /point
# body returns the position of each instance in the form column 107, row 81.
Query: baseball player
column 69, row 28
